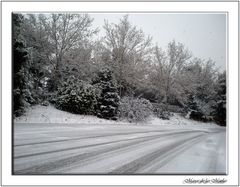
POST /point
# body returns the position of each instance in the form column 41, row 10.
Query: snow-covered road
column 118, row 149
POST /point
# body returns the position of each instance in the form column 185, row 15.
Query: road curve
column 108, row 149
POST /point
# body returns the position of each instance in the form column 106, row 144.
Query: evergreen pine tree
column 108, row 100
column 21, row 92
column 76, row 96
column 219, row 113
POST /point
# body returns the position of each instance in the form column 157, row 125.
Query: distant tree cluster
column 58, row 59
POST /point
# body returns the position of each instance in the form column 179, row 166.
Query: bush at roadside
column 76, row 96
column 135, row 109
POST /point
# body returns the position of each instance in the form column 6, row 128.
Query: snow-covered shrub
column 76, row 96
column 108, row 99
column 199, row 109
column 135, row 109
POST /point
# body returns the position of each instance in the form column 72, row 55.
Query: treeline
column 58, row 58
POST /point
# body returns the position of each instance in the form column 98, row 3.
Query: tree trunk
column 167, row 95
column 57, row 74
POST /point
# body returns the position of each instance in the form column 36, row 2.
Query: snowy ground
column 49, row 141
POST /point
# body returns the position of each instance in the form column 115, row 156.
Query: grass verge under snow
column 49, row 114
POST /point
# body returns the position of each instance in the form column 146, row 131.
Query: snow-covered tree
column 78, row 62
column 219, row 112
column 198, row 80
column 177, row 56
column 76, row 96
column 64, row 32
column 130, row 50
column 108, row 100
column 22, row 77
column 158, row 72
column 40, row 51
column 166, row 71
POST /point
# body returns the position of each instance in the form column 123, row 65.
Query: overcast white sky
column 203, row 34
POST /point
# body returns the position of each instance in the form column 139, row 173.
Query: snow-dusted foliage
column 135, row 109
column 48, row 50
column 200, row 109
column 108, row 100
column 76, row 96
column 128, row 46
column 219, row 112
column 198, row 81
column 23, row 85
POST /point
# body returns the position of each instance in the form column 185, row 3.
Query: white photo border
column 231, row 8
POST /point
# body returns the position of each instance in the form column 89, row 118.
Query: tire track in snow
column 99, row 136
column 72, row 139
column 107, row 162
column 98, row 144
column 159, row 162
column 60, row 163
column 137, row 164
column 90, row 137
